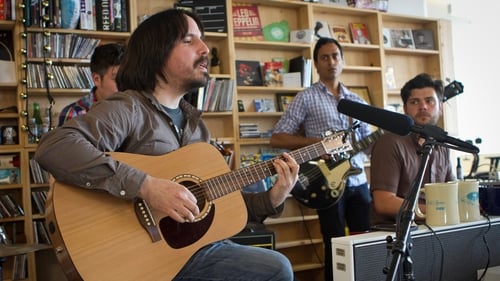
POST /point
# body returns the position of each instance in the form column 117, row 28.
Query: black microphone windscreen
column 391, row 121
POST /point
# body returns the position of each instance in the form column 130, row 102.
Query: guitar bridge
column 146, row 219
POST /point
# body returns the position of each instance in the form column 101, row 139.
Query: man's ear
column 96, row 78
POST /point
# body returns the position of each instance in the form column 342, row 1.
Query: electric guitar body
column 322, row 182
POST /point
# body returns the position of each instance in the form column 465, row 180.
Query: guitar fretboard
column 366, row 142
column 235, row 180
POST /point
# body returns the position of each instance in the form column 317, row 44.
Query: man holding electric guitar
column 157, row 227
column 315, row 109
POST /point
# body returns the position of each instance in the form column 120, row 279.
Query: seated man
column 395, row 160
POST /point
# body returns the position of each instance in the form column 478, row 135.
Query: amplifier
column 364, row 256
column 259, row 238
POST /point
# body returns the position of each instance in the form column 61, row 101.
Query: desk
column 363, row 257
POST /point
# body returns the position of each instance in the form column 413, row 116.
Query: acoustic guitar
column 98, row 237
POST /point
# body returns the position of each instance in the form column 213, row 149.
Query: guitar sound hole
column 198, row 192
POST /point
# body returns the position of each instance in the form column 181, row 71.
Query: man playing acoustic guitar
column 166, row 58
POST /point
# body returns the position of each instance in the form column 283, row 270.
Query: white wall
column 476, row 63
column 475, row 48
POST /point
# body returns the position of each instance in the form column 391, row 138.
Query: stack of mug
column 451, row 203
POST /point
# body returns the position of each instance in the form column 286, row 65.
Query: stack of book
column 38, row 175
column 249, row 130
column 39, row 198
column 9, row 207
column 216, row 96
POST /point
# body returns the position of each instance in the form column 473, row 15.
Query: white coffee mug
column 441, row 204
column 468, row 200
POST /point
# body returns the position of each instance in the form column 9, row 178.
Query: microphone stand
column 401, row 250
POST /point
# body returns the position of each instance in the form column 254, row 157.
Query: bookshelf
column 297, row 231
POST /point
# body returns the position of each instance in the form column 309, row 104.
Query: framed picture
column 362, row 91
column 284, row 100
column 423, row 39
column 402, row 38
column 248, row 73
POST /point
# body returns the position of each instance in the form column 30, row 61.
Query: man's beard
column 195, row 84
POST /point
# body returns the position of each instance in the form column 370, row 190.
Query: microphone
column 400, row 124
column 391, row 121
column 441, row 136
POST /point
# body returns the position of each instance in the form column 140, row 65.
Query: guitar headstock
column 453, row 89
column 336, row 143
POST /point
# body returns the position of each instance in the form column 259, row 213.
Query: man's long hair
column 150, row 47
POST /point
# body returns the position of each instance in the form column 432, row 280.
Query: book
column 212, row 14
column 386, row 37
column 86, row 15
column 292, row 79
column 104, row 15
column 246, row 22
column 390, row 78
column 9, row 161
column 340, row 34
column 117, row 12
column 6, row 45
column 423, row 39
column 304, row 66
column 248, row 73
column 402, row 38
column 10, row 176
column 125, row 14
column 273, row 73
column 264, row 105
column 3, row 7
column 381, row 5
column 359, row 33
column 7, row 64
column 322, row 29
column 284, row 100
column 277, row 31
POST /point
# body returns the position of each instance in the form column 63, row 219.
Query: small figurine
column 215, row 62
column 8, row 135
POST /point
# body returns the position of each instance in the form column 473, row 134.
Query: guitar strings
column 262, row 170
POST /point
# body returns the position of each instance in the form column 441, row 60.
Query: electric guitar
column 452, row 89
column 321, row 183
column 98, row 237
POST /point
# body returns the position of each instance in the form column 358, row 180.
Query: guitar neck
column 236, row 180
column 366, row 142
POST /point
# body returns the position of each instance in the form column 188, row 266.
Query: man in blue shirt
column 315, row 109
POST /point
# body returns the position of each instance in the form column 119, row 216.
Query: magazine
column 359, row 32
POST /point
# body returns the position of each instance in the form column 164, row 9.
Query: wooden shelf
column 307, row 266
column 297, row 243
column 281, row 220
